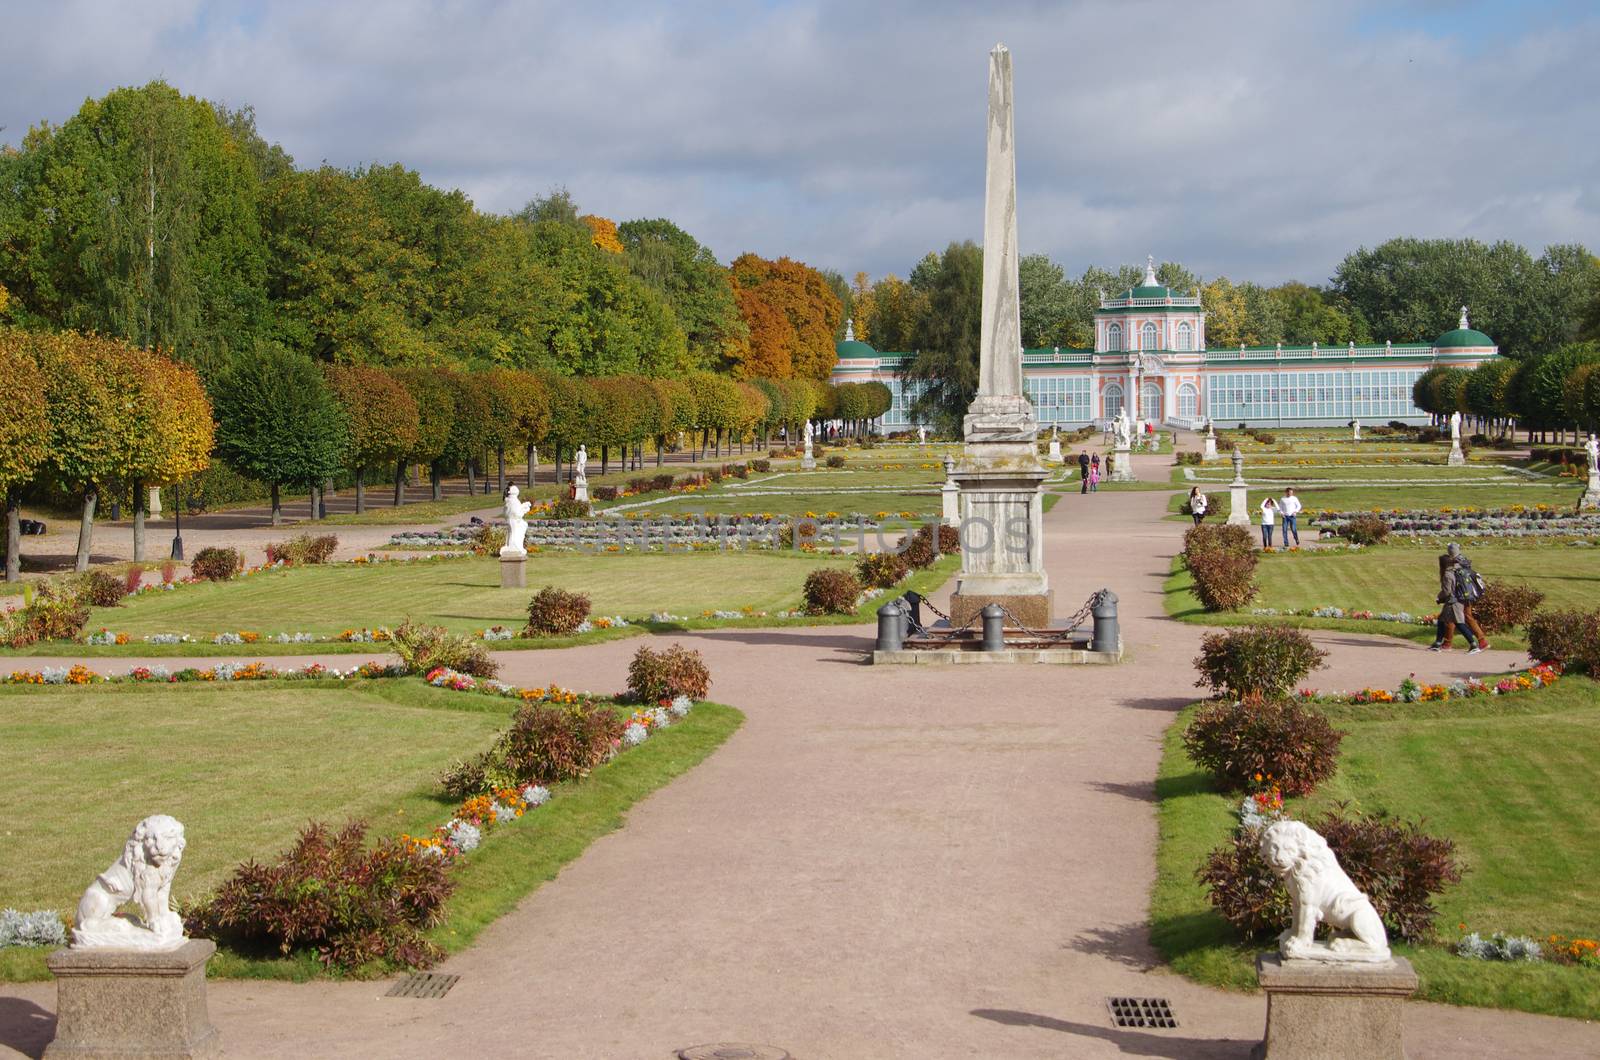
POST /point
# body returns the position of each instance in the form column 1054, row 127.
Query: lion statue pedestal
column 1334, row 999
column 133, row 986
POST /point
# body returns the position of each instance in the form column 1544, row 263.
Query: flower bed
column 1539, row 520
column 1330, row 611
column 683, row 532
column 1411, row 691
column 78, row 674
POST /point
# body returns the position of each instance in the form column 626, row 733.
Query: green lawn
column 464, row 594
column 1509, row 780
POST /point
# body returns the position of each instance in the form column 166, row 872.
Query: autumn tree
column 603, row 233
column 678, row 411
column 24, row 434
column 471, row 431
column 382, row 419
column 573, row 408
column 181, row 434
column 699, row 289
column 436, row 412
column 520, row 403
column 798, row 338
column 279, row 421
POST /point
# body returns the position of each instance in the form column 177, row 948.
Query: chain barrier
column 1046, row 635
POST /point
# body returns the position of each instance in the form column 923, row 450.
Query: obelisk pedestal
column 1122, row 465
column 1591, row 492
column 999, row 474
column 1238, row 493
column 1211, row 448
column 1457, row 457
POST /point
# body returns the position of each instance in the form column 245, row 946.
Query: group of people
column 1287, row 508
column 1460, row 587
column 1089, row 471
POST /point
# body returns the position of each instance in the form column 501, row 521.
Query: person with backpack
column 1459, row 588
column 1083, row 469
column 1198, row 503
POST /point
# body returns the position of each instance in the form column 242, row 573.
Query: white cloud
column 1255, row 139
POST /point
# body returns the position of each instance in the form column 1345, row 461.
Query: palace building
column 1150, row 345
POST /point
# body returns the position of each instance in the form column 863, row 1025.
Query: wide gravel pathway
column 883, row 862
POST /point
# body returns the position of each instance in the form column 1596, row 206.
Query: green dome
column 1463, row 337
column 855, row 350
column 1150, row 292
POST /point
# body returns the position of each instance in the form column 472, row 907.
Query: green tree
column 436, row 412
column 382, row 419
column 470, row 432
column 694, row 284
column 1045, row 301
column 1542, row 385
column 24, row 435
column 1487, row 390
column 278, row 420
column 948, row 336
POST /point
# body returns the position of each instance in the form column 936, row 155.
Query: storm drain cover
column 733, row 1051
column 1141, row 1012
column 423, row 984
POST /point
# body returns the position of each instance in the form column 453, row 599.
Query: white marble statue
column 1592, row 447
column 1455, row 429
column 1355, row 430
column 922, row 435
column 516, row 524
column 1211, row 428
column 142, row 875
column 1320, row 892
column 1122, row 428
column 581, row 463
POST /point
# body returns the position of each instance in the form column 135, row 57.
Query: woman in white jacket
column 1198, row 503
column 1269, row 516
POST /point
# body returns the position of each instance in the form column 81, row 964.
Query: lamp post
column 177, row 520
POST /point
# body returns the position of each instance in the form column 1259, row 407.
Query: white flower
column 635, row 734
column 464, row 834
column 660, row 717
column 536, row 795
column 503, row 813
column 680, row 706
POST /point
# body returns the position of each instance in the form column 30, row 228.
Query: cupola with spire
column 1464, row 335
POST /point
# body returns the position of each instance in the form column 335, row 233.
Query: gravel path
column 883, row 862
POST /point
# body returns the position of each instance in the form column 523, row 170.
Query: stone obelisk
column 999, row 474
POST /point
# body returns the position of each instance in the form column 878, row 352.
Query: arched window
column 1150, row 339
column 1188, row 397
column 1112, row 399
column 1150, row 403
column 1114, row 337
column 1185, row 337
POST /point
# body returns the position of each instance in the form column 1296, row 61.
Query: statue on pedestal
column 1592, row 447
column 1355, row 430
column 1455, row 430
column 1122, row 428
column 142, row 875
column 516, row 524
column 1321, row 892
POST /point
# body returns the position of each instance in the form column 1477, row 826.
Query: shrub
column 48, row 616
column 919, row 551
column 1368, row 528
column 169, row 572
column 640, row 485
column 547, row 744
column 831, row 591
column 666, row 674
column 1265, row 438
column 354, row 905
column 605, row 493
column 949, row 537
column 1214, row 537
column 1224, row 580
column 488, row 539
column 1252, row 744
column 836, row 460
column 101, row 589
column 882, row 570
column 1396, row 864
column 466, row 778
column 1189, row 457
column 569, row 508
column 556, row 612
column 761, row 465
column 303, row 550
column 1260, row 660
column 1503, row 606
column 423, row 648
column 1571, row 638
column 216, row 564
column 662, row 481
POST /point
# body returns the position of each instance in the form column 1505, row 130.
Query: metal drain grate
column 1141, row 1012
column 423, row 984
column 732, row 1051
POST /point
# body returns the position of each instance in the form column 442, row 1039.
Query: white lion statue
column 1319, row 890
column 143, row 875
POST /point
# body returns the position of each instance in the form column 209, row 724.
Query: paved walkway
column 883, row 862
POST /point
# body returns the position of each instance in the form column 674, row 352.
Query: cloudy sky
column 1260, row 140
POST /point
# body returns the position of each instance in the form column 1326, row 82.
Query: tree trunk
column 361, row 491
column 140, row 497
column 500, row 459
column 605, row 454
column 661, row 448
column 399, row 483
column 472, row 480
column 436, row 480
column 532, row 457
column 311, row 507
column 277, row 505
column 86, row 529
column 13, row 536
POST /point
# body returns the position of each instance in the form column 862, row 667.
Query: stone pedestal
column 1002, row 545
column 1211, row 448
column 1457, row 457
column 950, row 496
column 1121, row 466
column 132, row 1003
column 1591, row 493
column 513, row 569
column 1238, row 504
column 1055, row 450
column 808, row 463
column 1334, row 1011
column 580, row 488
column 153, row 507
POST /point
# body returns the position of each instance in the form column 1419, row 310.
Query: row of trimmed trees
column 1555, row 392
column 86, row 416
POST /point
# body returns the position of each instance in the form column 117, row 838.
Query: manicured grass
column 1508, row 779
column 1354, row 497
column 293, row 754
column 464, row 594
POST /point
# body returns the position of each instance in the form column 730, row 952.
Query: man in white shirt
column 1290, row 507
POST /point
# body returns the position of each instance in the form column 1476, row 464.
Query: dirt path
column 884, row 862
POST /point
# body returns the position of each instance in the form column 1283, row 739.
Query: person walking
column 1290, row 507
column 1269, row 516
column 1198, row 503
column 1460, row 587
column 1083, row 469
column 1094, row 476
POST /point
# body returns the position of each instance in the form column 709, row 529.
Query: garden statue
column 143, row 875
column 808, row 460
column 1455, row 429
column 516, row 524
column 1592, row 447
column 1122, row 427
column 922, row 435
column 1319, row 891
column 581, row 463
column 1355, row 430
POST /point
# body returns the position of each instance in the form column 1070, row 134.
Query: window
column 1150, row 341
column 1188, row 396
column 1112, row 399
column 1114, row 337
column 1185, row 342
column 1059, row 399
column 1150, row 403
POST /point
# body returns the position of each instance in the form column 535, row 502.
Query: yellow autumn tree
column 1223, row 301
column 24, row 434
column 603, row 233
column 863, row 295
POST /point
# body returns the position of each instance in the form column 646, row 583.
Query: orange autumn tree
column 602, row 233
column 792, row 314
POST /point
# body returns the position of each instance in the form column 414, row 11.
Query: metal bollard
column 1106, row 631
column 891, row 627
column 912, row 602
column 994, row 637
